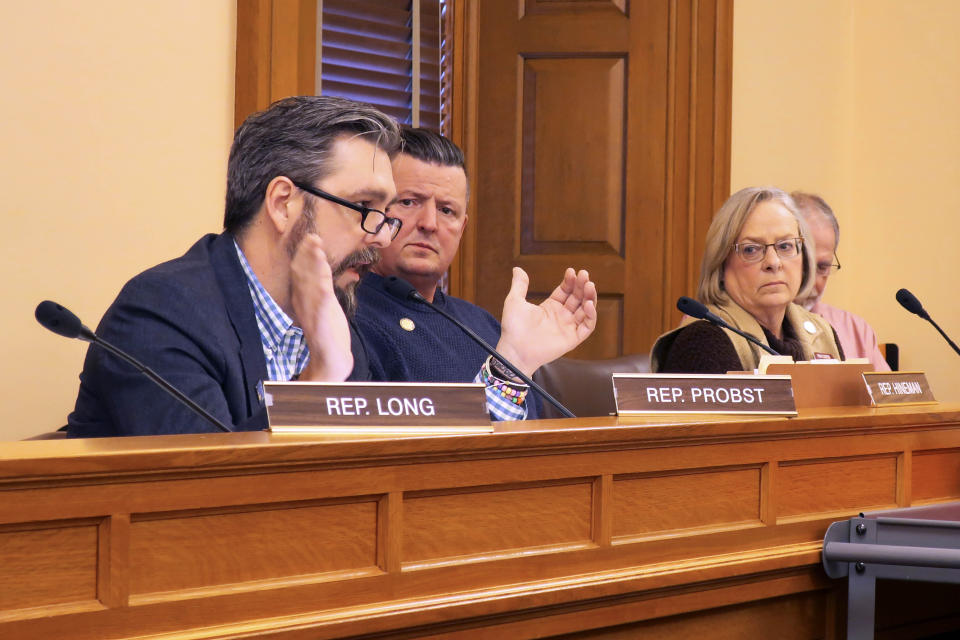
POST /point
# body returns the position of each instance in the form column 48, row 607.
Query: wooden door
column 601, row 142
column 597, row 134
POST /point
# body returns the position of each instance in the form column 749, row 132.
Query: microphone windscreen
column 58, row 319
column 909, row 302
column 692, row 308
column 400, row 288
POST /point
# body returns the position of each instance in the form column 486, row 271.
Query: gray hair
column 808, row 203
column 724, row 231
column 293, row 138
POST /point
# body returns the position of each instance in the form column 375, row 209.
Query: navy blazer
column 192, row 321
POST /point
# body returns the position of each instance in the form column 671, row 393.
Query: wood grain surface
column 600, row 527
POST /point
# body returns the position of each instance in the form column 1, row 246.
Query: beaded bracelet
column 514, row 392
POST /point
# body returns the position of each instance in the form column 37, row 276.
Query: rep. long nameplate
column 646, row 393
column 376, row 408
column 889, row 388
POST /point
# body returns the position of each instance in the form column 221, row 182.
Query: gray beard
column 347, row 297
column 362, row 259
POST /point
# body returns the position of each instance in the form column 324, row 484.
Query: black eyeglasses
column 371, row 220
column 827, row 269
column 755, row 251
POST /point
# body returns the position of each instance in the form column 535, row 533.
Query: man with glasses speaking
column 856, row 336
column 307, row 183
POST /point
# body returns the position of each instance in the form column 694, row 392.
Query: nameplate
column 646, row 393
column 376, row 408
column 897, row 388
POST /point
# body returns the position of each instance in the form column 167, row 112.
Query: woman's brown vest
column 819, row 341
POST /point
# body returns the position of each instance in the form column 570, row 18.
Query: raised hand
column 532, row 335
column 319, row 314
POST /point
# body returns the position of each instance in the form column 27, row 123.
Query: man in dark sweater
column 408, row 341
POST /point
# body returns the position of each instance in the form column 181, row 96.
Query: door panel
column 572, row 178
column 602, row 143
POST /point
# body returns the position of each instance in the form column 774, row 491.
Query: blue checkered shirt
column 286, row 350
column 283, row 345
column 499, row 407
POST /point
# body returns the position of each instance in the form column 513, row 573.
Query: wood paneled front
column 602, row 143
column 601, row 528
column 664, row 504
column 308, row 539
column 809, row 487
column 47, row 563
column 494, row 519
column 936, row 475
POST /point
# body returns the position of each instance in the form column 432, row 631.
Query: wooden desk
column 539, row 529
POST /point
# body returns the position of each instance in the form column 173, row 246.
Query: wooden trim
column 389, row 531
column 292, row 59
column 700, row 82
column 905, row 478
column 463, row 131
column 318, row 51
column 276, row 53
column 113, row 550
column 722, row 102
column 768, row 495
column 252, row 74
column 692, row 257
column 602, row 514
column 415, row 72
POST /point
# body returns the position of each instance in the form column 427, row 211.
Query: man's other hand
column 532, row 335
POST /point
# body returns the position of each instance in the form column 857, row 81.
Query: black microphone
column 698, row 310
column 64, row 322
column 403, row 290
column 909, row 302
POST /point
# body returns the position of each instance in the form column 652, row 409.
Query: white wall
column 115, row 123
column 859, row 100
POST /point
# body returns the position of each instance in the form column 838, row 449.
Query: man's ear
column 280, row 203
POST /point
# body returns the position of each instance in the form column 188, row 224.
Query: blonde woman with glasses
column 758, row 259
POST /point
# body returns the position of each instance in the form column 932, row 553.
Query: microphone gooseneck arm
column 64, row 322
column 698, row 310
column 945, row 336
column 520, row 374
column 910, row 302
column 402, row 289
column 155, row 377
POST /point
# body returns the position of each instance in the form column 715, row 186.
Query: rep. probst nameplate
column 652, row 393
column 377, row 408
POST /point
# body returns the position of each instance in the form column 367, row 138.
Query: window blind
column 367, row 55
